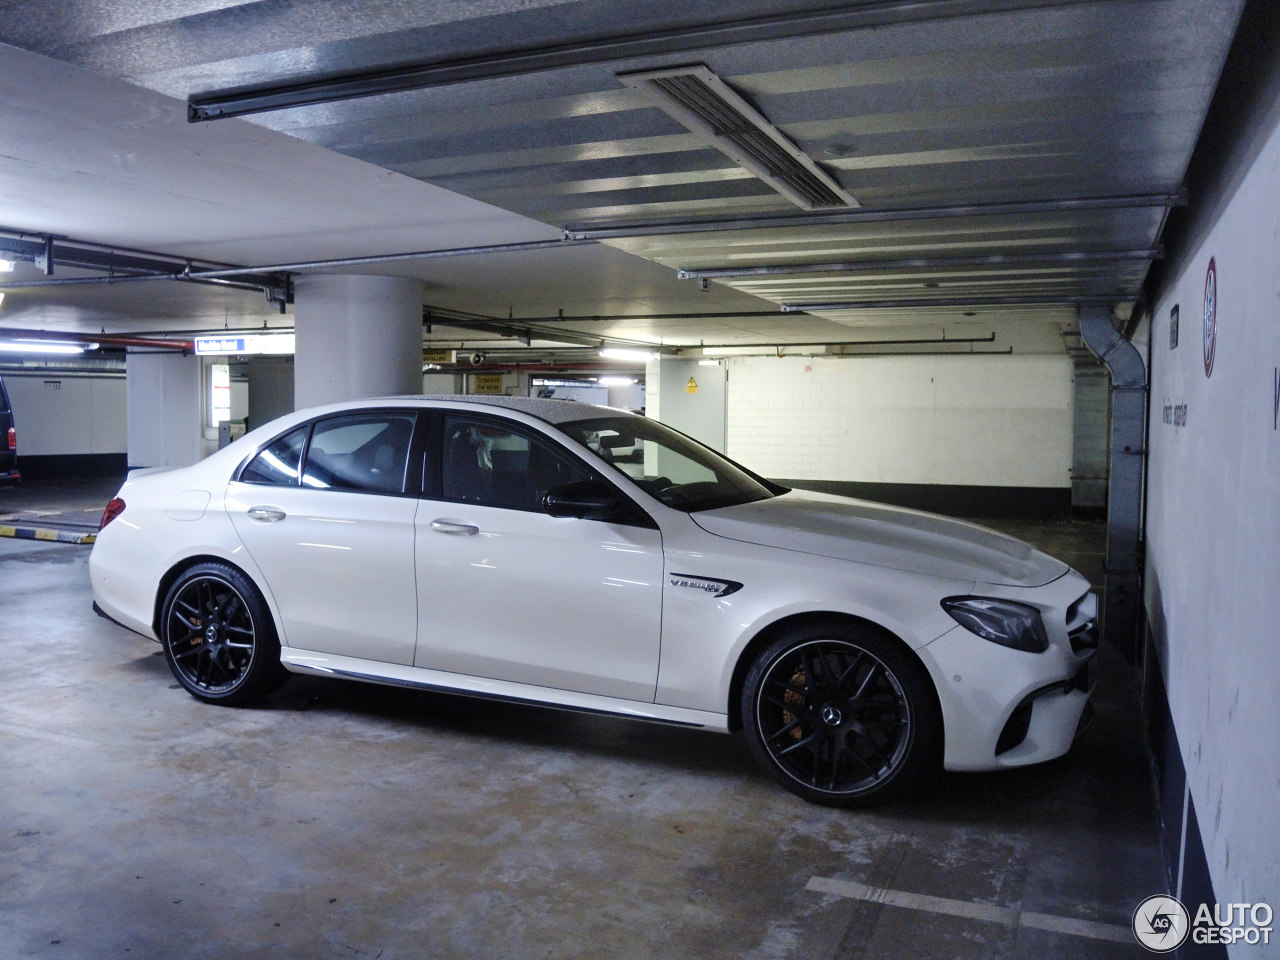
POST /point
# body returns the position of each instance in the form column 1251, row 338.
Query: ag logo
column 1161, row 924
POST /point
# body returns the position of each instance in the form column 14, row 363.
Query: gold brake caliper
column 794, row 699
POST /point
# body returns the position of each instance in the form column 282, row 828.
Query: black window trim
column 413, row 469
column 433, row 479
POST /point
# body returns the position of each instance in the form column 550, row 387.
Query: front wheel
column 841, row 715
column 218, row 636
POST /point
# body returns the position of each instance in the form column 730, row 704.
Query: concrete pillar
column 689, row 397
column 357, row 336
column 166, row 410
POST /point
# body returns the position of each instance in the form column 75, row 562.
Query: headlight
column 1004, row 622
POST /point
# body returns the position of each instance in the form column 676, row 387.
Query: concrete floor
column 344, row 820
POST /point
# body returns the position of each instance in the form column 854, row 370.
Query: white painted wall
column 67, row 414
column 1213, row 528
column 964, row 420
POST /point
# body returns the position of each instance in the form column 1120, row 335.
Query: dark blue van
column 8, row 441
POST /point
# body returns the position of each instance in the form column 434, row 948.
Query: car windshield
column 667, row 465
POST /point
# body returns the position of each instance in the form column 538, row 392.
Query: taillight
column 114, row 509
column 13, row 439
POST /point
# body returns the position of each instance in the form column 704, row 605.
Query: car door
column 509, row 593
column 324, row 514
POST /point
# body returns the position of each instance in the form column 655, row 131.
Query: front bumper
column 1009, row 708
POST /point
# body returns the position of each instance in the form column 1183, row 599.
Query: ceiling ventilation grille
column 706, row 105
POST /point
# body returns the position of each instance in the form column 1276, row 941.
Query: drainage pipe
column 1127, row 464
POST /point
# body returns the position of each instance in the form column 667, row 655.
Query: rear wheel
column 218, row 636
column 841, row 714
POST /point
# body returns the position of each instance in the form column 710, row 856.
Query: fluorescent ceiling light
column 6, row 266
column 708, row 363
column 709, row 107
column 621, row 353
column 44, row 346
column 616, row 381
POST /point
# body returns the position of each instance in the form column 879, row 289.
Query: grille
column 1082, row 623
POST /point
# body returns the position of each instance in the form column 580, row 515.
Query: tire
column 218, row 636
column 841, row 714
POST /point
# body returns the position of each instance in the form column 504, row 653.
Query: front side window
column 279, row 463
column 667, row 465
column 362, row 452
column 486, row 462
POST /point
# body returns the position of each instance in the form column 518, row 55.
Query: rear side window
column 4, row 399
column 368, row 453
column 278, row 464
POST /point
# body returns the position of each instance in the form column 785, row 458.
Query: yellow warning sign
column 486, row 383
column 437, row 356
column 691, row 386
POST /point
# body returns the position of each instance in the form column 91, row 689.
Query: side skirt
column 418, row 678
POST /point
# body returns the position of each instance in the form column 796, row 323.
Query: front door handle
column 455, row 527
column 266, row 514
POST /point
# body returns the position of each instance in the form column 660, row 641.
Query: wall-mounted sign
column 220, row 407
column 437, row 356
column 487, row 383
column 691, row 386
column 249, row 343
column 1210, row 316
column 1173, row 328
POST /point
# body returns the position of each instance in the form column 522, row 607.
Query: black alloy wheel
column 841, row 716
column 218, row 636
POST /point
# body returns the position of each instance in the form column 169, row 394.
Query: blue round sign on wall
column 1210, row 316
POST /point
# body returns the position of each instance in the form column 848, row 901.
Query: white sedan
column 580, row 557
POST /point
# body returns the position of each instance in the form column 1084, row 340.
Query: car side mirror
column 584, row 500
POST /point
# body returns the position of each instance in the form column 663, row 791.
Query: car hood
column 875, row 533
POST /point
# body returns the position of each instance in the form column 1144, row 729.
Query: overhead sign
column 437, row 356
column 249, row 343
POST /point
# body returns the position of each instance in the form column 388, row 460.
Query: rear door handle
column 455, row 527
column 266, row 514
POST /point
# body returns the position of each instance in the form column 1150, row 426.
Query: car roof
column 552, row 411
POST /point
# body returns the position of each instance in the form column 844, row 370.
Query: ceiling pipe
column 913, row 263
column 102, row 339
column 865, row 215
column 135, row 264
column 113, row 279
column 654, row 43
column 491, row 248
column 990, row 338
column 919, row 302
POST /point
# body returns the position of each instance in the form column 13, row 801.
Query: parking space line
column 989, row 913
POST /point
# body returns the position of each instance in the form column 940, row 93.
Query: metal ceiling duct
column 706, row 105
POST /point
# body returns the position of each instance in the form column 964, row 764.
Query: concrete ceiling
column 1009, row 159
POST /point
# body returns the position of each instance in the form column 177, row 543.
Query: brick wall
column 962, row 420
